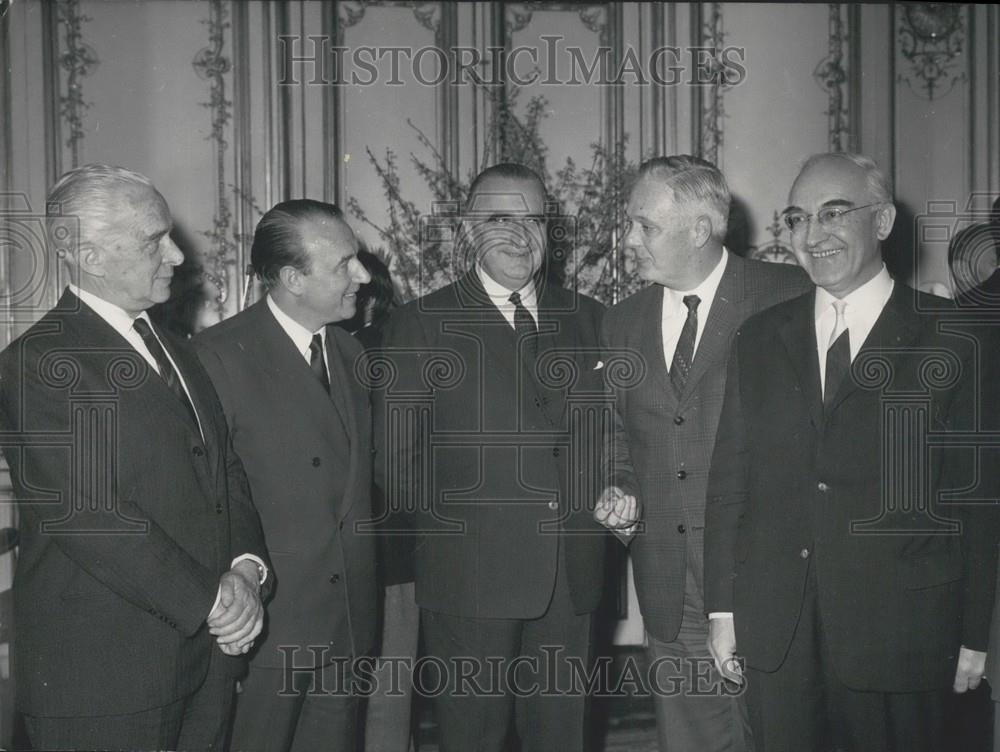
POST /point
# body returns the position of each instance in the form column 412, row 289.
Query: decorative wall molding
column 776, row 250
column 78, row 59
column 931, row 37
column 594, row 17
column 710, row 108
column 212, row 65
column 831, row 75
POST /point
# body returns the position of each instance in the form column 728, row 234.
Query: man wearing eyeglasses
column 844, row 560
column 496, row 475
column 681, row 327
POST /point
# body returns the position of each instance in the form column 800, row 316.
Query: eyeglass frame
column 831, row 222
column 538, row 220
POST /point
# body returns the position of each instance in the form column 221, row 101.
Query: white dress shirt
column 500, row 297
column 675, row 312
column 300, row 336
column 122, row 322
column 863, row 308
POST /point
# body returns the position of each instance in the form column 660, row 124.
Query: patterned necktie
column 838, row 355
column 524, row 325
column 684, row 352
column 317, row 363
column 167, row 372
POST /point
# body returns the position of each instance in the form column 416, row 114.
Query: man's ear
column 88, row 257
column 291, row 279
column 885, row 217
column 702, row 230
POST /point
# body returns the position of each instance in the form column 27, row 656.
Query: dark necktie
column 684, row 353
column 317, row 363
column 167, row 372
column 524, row 325
column 838, row 356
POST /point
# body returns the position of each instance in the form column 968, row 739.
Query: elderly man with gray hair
column 141, row 559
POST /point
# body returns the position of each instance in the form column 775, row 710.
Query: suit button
column 197, row 451
column 681, row 529
column 218, row 508
column 316, row 461
column 555, row 451
column 553, row 505
column 678, row 420
column 682, row 474
column 822, row 487
column 804, row 553
column 334, row 579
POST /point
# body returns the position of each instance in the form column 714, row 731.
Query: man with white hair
column 848, row 560
column 141, row 556
column 681, row 326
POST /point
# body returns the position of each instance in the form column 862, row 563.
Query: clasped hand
column 238, row 617
column 617, row 510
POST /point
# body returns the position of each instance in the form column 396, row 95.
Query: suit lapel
column 651, row 345
column 723, row 318
column 348, row 401
column 896, row 327
column 492, row 329
column 285, row 364
column 798, row 334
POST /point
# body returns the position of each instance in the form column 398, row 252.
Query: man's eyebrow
column 831, row 202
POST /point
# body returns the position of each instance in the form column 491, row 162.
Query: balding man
column 847, row 559
column 509, row 562
column 301, row 424
column 681, row 326
column 141, row 554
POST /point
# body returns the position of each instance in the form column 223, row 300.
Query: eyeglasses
column 828, row 216
column 511, row 220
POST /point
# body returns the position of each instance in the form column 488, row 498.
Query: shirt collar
column 500, row 295
column 300, row 336
column 705, row 291
column 867, row 301
column 117, row 318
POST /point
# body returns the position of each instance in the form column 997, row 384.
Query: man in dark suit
column 680, row 328
column 494, row 373
column 845, row 556
column 301, row 423
column 132, row 504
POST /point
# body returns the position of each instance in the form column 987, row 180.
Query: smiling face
column 846, row 253
column 134, row 261
column 505, row 229
column 327, row 292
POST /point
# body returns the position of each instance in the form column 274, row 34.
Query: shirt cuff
column 720, row 615
column 262, row 568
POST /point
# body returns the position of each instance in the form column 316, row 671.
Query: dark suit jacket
column 128, row 518
column 496, row 480
column 898, row 593
column 308, row 458
column 663, row 446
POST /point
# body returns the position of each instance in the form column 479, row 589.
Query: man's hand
column 239, row 616
column 616, row 510
column 722, row 645
column 969, row 672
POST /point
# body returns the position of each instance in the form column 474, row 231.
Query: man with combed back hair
column 141, row 556
column 301, row 423
column 681, row 327
column 850, row 551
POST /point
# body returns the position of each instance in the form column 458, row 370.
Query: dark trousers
column 804, row 706
column 519, row 669
column 300, row 711
column 197, row 722
column 695, row 711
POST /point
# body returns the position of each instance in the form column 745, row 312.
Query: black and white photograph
column 399, row 376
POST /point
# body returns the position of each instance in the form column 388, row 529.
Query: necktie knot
column 691, row 301
column 515, row 298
